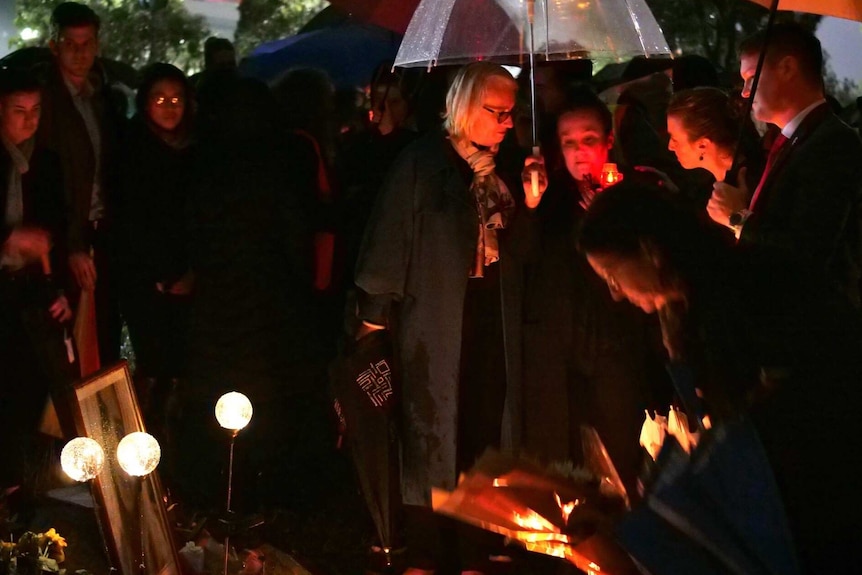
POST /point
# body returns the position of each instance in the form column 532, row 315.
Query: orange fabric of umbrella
column 847, row 9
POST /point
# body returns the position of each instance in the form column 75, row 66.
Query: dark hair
column 306, row 98
column 627, row 215
column 582, row 98
column 16, row 80
column 789, row 39
column 215, row 44
column 693, row 71
column 73, row 15
column 161, row 71
column 707, row 113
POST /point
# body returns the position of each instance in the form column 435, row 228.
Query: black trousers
column 33, row 365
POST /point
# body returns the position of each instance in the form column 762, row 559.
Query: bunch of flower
column 33, row 554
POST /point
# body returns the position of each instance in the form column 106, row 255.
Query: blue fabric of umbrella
column 715, row 512
column 349, row 53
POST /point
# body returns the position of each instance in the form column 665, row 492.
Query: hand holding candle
column 534, row 178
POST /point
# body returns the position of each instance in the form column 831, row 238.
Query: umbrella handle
column 534, row 175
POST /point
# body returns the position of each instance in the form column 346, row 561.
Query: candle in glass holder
column 610, row 175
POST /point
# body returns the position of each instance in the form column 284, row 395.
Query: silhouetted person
column 81, row 124
column 35, row 359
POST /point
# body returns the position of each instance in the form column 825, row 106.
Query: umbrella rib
column 637, row 26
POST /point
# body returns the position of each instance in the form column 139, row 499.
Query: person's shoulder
column 428, row 149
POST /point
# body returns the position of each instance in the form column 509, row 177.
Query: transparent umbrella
column 511, row 31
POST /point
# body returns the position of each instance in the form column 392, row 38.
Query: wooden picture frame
column 106, row 410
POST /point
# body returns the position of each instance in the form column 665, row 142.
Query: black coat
column 152, row 209
column 786, row 347
column 587, row 359
column 413, row 268
column 809, row 205
column 42, row 189
column 252, row 320
column 62, row 129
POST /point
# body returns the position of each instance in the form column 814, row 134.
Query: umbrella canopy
column 848, row 9
column 461, row 31
column 390, row 14
column 349, row 52
column 362, row 382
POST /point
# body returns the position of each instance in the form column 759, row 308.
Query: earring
column 700, row 157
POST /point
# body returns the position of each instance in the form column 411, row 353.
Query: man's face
column 767, row 98
column 19, row 115
column 485, row 127
column 76, row 50
column 584, row 144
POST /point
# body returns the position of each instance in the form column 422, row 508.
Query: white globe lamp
column 138, row 453
column 82, row 459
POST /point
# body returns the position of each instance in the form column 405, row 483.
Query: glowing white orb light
column 138, row 453
column 233, row 411
column 82, row 458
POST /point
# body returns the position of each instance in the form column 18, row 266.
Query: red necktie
column 773, row 153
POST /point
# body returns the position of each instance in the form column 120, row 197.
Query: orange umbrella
column 847, row 9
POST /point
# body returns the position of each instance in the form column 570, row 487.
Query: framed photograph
column 131, row 510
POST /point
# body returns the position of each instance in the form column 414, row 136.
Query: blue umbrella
column 349, row 52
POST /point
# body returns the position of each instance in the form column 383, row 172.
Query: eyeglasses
column 163, row 101
column 502, row 115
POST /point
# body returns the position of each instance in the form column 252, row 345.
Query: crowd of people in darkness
column 247, row 235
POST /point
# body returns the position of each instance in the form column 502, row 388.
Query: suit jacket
column 42, row 190
column 809, row 205
column 62, row 129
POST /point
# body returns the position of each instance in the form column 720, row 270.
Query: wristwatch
column 737, row 219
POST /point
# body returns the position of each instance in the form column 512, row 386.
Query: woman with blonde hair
column 429, row 271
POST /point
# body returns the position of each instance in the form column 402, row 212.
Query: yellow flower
column 55, row 537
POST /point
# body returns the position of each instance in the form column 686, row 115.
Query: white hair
column 467, row 91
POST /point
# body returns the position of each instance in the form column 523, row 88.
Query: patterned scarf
column 495, row 205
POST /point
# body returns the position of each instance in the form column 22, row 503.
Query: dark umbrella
column 390, row 14
column 349, row 53
column 362, row 382
column 715, row 511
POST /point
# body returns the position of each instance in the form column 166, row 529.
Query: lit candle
column 610, row 175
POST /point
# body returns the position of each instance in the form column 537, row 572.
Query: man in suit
column 805, row 206
column 81, row 124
